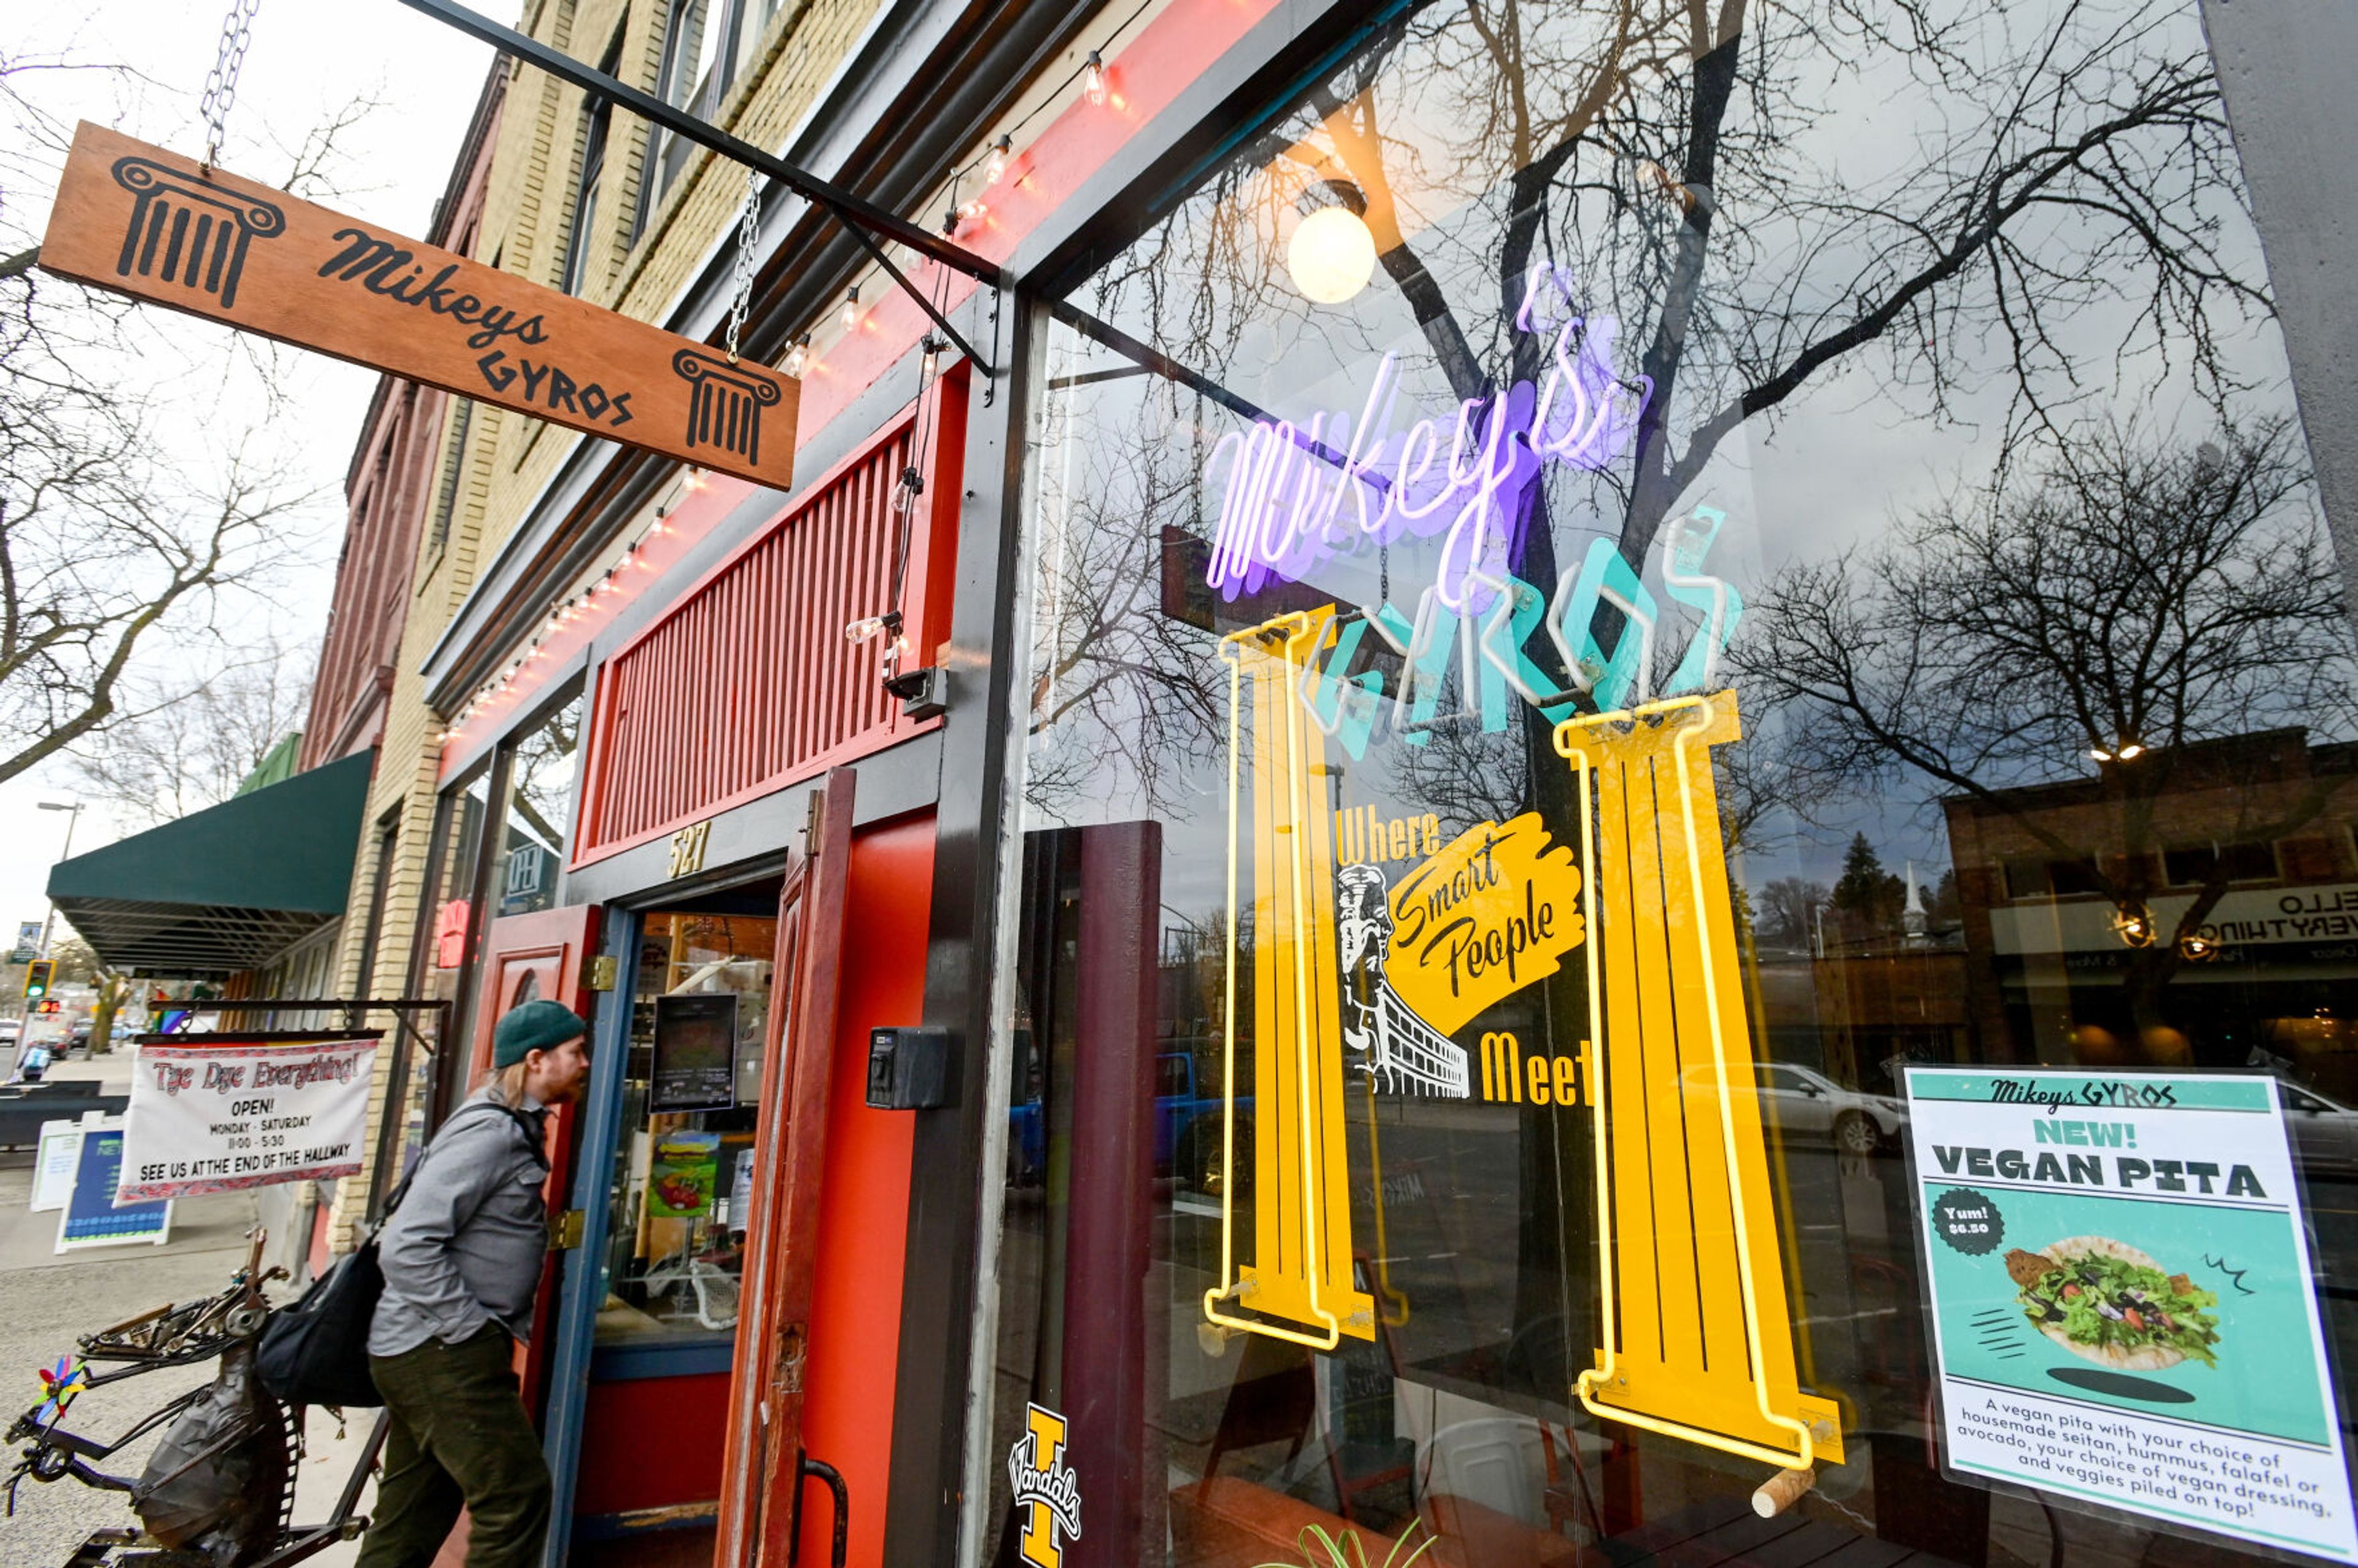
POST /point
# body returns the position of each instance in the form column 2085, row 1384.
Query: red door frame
column 762, row 1454
column 554, row 945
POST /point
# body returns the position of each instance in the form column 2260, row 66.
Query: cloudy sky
column 307, row 60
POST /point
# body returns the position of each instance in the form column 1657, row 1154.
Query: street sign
column 152, row 224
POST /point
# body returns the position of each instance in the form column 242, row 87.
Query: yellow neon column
column 1697, row 1329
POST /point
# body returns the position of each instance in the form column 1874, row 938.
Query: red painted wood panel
column 671, row 1453
column 855, row 1333
column 748, row 683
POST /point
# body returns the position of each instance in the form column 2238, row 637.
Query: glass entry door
column 650, row 1326
column 682, row 1166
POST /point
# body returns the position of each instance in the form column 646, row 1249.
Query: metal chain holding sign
column 220, row 87
column 748, row 228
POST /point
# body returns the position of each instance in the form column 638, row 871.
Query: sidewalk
column 46, row 1300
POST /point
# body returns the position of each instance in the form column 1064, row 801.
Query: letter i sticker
column 1043, row 1488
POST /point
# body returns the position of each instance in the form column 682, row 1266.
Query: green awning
column 228, row 888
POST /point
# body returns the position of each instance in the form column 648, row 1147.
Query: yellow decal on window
column 1490, row 915
column 1043, row 1488
column 1697, row 1330
column 1298, row 1286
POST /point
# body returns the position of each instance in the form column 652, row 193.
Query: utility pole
column 74, row 818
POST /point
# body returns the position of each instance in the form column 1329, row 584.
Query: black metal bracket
column 864, row 219
column 352, row 1007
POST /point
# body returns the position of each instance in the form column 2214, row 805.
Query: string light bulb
column 798, row 357
column 931, row 363
column 851, row 307
column 1093, row 79
column 996, row 169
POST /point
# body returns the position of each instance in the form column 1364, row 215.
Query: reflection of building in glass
column 1387, row 1040
column 1856, row 1014
column 2198, row 906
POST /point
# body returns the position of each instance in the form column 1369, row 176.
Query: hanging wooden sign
column 151, row 224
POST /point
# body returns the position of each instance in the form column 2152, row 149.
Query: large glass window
column 542, row 766
column 683, row 1171
column 1709, row 613
column 441, row 948
column 705, row 43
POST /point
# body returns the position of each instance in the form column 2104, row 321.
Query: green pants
column 459, row 1434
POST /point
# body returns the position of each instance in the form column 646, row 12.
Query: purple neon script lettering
column 1281, row 513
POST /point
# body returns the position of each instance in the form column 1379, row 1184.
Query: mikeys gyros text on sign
column 150, row 223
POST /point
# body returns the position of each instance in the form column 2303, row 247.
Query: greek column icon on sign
column 724, row 408
column 185, row 229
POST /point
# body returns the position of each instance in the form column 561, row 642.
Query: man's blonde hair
column 507, row 1084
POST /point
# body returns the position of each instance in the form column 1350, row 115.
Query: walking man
column 462, row 1257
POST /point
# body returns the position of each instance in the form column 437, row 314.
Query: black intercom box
column 908, row 1069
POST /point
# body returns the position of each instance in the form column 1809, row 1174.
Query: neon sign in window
column 1298, row 495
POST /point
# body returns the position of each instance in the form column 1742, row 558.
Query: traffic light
column 37, row 977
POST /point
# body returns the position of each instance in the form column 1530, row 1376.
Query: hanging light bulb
column 1093, row 79
column 930, row 366
column 996, row 169
column 851, row 308
column 798, row 357
column 1331, row 255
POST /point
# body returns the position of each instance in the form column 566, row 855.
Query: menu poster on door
column 2122, row 1307
column 695, row 1053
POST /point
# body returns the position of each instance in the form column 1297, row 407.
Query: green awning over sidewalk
column 225, row 889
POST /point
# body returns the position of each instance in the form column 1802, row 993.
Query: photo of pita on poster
column 2106, row 1302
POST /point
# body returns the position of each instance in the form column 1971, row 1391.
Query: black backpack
column 315, row 1351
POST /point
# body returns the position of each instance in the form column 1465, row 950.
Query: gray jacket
column 466, row 1244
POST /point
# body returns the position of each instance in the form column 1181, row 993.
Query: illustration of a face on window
column 1382, row 1036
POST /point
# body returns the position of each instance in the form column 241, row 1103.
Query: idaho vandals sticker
column 1047, row 1494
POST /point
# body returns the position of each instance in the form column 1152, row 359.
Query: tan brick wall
column 528, row 210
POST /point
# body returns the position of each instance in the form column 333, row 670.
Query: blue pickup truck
column 1186, row 1127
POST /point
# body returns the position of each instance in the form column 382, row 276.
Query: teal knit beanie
column 537, row 1025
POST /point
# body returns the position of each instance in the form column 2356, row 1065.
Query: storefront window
column 683, row 1172
column 542, row 766
column 1712, row 672
column 441, row 948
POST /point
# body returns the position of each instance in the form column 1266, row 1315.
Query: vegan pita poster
column 2122, row 1307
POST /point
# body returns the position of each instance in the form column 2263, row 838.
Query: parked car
column 1187, row 1118
column 1803, row 1103
column 2325, row 1134
column 11, row 1031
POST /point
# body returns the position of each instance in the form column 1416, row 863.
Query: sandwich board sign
column 150, row 223
column 91, row 1217
column 54, row 1159
column 2124, row 1310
